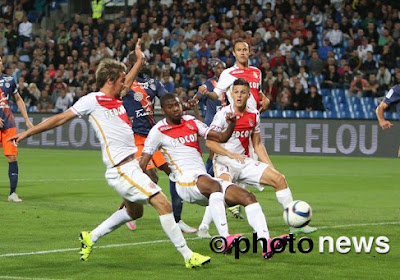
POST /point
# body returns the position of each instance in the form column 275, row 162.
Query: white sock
column 207, row 219
column 257, row 221
column 113, row 222
column 284, row 197
column 217, row 209
column 175, row 235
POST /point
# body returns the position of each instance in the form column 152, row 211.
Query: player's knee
column 280, row 181
column 248, row 199
column 214, row 187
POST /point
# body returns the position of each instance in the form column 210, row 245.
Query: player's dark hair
column 240, row 41
column 108, row 69
column 165, row 98
column 241, row 82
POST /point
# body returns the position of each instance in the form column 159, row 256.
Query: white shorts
column 249, row 172
column 131, row 183
column 186, row 187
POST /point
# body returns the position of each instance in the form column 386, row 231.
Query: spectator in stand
column 369, row 65
column 25, row 30
column 384, row 77
column 315, row 64
column 283, row 99
column 364, row 48
column 331, row 77
column 298, row 98
column 335, row 36
column 358, row 85
column 45, row 104
column 372, row 90
column 314, row 100
column 63, row 102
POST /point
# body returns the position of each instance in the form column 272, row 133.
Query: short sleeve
column 153, row 141
column 224, row 82
column 85, row 105
column 161, row 90
column 203, row 129
column 392, row 96
column 219, row 122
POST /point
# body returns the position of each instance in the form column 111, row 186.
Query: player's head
column 240, row 93
column 241, row 52
column 217, row 66
column 171, row 108
column 112, row 73
column 132, row 58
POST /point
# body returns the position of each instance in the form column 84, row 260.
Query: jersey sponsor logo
column 242, row 134
column 143, row 113
column 254, row 85
column 140, row 95
column 3, row 100
column 115, row 112
column 186, row 139
column 164, row 128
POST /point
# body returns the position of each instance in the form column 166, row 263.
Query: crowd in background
column 301, row 47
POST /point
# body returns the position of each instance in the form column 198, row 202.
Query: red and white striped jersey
column 246, row 125
column 252, row 75
column 179, row 144
column 108, row 118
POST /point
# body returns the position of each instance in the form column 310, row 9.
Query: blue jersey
column 211, row 106
column 139, row 103
column 392, row 98
column 8, row 89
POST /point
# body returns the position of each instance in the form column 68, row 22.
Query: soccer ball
column 297, row 214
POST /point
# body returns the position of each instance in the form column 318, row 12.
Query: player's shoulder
column 252, row 111
column 161, row 125
column 253, row 68
column 188, row 118
column 396, row 89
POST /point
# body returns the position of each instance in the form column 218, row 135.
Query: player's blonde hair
column 108, row 69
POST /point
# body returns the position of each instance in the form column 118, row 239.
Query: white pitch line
column 167, row 240
column 56, row 180
column 23, row 278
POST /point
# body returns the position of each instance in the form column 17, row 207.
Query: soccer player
column 241, row 69
column 232, row 160
column 108, row 118
column 139, row 105
column 212, row 106
column 392, row 98
column 177, row 136
column 8, row 89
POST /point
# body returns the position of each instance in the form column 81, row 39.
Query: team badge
column 7, row 85
column 153, row 186
column 255, row 75
column 138, row 96
column 250, row 122
column 189, row 126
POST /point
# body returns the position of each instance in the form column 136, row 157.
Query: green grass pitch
column 64, row 192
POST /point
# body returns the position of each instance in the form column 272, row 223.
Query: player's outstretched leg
column 177, row 206
column 171, row 228
column 283, row 194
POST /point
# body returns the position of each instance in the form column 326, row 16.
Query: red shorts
column 156, row 161
column 9, row 149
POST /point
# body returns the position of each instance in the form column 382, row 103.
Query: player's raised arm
column 203, row 90
column 223, row 137
column 218, row 149
column 132, row 74
column 384, row 124
column 47, row 124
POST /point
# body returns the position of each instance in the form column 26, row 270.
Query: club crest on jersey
column 138, row 96
column 190, row 126
column 255, row 75
column 250, row 122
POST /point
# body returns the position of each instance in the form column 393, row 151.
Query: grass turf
column 64, row 192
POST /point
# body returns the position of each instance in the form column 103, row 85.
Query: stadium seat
column 370, row 115
column 395, row 116
column 388, row 115
column 358, row 115
column 344, row 115
column 265, row 114
column 302, row 114
column 329, row 115
column 326, row 92
column 316, row 114
column 275, row 114
column 289, row 114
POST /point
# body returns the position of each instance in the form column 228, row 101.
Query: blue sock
column 176, row 202
column 209, row 167
column 13, row 175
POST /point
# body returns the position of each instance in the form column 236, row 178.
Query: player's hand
column 231, row 118
column 1, row 123
column 385, row 124
column 192, row 103
column 203, row 90
column 239, row 157
column 138, row 50
column 264, row 104
column 28, row 124
column 17, row 138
